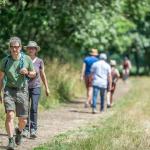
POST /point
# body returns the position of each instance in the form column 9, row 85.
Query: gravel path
column 64, row 118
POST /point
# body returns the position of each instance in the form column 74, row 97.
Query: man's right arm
column 1, row 85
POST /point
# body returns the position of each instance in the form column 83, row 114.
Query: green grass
column 127, row 129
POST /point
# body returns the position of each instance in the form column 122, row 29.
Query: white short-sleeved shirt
column 100, row 70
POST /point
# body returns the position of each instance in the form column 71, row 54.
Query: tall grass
column 127, row 129
column 64, row 84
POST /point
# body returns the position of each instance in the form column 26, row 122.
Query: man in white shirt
column 101, row 71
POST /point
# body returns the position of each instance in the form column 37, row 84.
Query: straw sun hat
column 32, row 44
column 93, row 52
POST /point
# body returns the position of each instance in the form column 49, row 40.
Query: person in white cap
column 101, row 72
column 115, row 76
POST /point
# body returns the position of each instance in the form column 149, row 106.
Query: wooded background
column 66, row 29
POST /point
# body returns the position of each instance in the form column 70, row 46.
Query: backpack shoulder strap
column 21, row 61
column 6, row 62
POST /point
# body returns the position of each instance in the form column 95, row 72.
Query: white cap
column 103, row 56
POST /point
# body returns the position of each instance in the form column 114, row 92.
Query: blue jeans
column 34, row 96
column 102, row 97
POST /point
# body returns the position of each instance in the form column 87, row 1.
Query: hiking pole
column 29, row 122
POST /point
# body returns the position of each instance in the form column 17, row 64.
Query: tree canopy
column 64, row 28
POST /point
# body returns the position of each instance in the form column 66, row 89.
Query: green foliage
column 64, row 28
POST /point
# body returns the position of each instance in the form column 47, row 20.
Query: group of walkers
column 101, row 77
column 20, row 89
column 20, row 86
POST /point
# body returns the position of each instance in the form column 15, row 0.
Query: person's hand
column 81, row 78
column 24, row 71
column 1, row 99
column 112, row 88
column 47, row 92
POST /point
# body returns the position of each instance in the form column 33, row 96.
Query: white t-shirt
column 100, row 71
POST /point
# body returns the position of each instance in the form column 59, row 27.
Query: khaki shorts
column 16, row 100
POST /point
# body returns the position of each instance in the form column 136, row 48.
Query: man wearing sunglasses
column 15, row 69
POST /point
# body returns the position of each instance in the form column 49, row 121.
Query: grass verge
column 127, row 128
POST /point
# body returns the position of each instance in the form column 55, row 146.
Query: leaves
column 63, row 28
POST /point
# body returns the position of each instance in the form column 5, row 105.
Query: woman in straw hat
column 86, row 73
column 35, row 88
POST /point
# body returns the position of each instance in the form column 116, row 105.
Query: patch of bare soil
column 64, row 118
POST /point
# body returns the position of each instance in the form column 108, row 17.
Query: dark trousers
column 34, row 96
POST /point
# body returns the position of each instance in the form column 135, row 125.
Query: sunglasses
column 16, row 47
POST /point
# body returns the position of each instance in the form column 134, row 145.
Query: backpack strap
column 6, row 62
column 21, row 61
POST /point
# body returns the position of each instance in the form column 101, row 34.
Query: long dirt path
column 64, row 118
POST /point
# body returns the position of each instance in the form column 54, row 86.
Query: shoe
column 102, row 110
column 108, row 106
column 25, row 133
column 94, row 111
column 11, row 144
column 33, row 133
column 18, row 138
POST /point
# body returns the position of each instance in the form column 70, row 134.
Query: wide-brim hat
column 93, row 52
column 32, row 44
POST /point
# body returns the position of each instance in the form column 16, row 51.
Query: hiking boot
column 94, row 111
column 11, row 144
column 18, row 137
column 25, row 133
column 101, row 110
column 108, row 106
column 33, row 133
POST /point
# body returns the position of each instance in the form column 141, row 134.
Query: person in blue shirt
column 86, row 74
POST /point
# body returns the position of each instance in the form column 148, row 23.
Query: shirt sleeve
column 41, row 65
column 109, row 69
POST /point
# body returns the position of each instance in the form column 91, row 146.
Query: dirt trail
column 62, row 119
